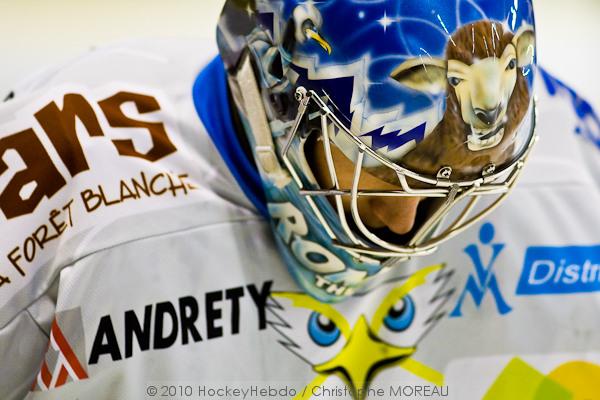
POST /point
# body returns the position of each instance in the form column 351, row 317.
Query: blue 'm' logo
column 560, row 270
column 484, row 279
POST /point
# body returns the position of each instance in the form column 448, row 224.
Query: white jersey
column 133, row 266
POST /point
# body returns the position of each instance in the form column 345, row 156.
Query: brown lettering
column 126, row 193
column 13, row 257
column 60, row 126
column 67, row 208
column 36, row 242
column 40, row 170
column 189, row 185
column 58, row 227
column 43, row 232
column 161, row 144
column 153, row 189
column 143, row 188
column 4, row 280
column 89, row 196
column 45, row 238
column 173, row 187
column 107, row 202
column 29, row 249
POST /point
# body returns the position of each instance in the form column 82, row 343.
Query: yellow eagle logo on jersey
column 366, row 334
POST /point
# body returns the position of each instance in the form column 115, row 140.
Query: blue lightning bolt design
column 395, row 139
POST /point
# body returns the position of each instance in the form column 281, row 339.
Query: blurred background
column 37, row 33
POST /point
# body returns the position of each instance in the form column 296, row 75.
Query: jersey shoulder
column 568, row 151
column 587, row 123
column 105, row 150
column 160, row 62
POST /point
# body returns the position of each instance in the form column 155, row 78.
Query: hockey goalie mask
column 432, row 98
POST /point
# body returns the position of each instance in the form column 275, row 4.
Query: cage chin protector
column 494, row 181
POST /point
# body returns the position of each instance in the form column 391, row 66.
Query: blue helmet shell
column 427, row 84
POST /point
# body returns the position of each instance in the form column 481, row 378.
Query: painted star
column 385, row 21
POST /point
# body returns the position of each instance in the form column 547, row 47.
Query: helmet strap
column 257, row 124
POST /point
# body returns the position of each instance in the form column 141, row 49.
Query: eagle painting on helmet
column 434, row 98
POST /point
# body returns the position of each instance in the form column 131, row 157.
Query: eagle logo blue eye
column 322, row 330
column 401, row 315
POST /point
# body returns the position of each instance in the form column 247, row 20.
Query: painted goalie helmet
column 429, row 99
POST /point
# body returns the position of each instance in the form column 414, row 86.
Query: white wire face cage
column 364, row 241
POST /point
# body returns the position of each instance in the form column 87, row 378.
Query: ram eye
column 512, row 64
column 454, row 81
